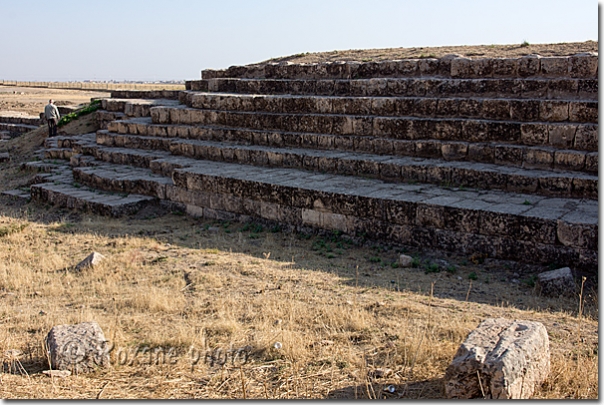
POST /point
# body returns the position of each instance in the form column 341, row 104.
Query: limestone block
column 505, row 67
column 586, row 137
column 557, row 66
column 405, row 261
column 556, row 283
column 529, row 65
column 482, row 67
column 583, row 112
column 553, row 111
column 80, row 348
column 591, row 162
column 562, row 135
column 496, row 109
column 500, row 359
column 460, row 67
column 562, row 88
column 569, row 159
column 584, row 65
column 538, row 158
column 534, row 134
column 454, row 150
column 91, row 260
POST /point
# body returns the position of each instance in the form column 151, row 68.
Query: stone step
column 388, row 168
column 493, row 223
column 119, row 155
column 541, row 157
column 58, row 153
column 146, row 94
column 524, row 110
column 18, row 194
column 134, row 107
column 517, row 88
column 73, row 140
column 104, row 117
column 86, row 199
column 123, row 179
column 19, row 118
column 559, row 135
column 583, row 65
column 17, row 129
column 44, row 166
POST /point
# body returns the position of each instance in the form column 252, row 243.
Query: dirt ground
column 477, row 51
column 32, row 100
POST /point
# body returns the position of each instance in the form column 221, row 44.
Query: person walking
column 51, row 112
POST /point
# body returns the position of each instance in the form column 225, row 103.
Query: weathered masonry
column 490, row 156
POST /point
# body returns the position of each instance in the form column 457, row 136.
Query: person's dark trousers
column 52, row 127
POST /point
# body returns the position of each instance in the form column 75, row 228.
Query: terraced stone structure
column 491, row 156
column 13, row 124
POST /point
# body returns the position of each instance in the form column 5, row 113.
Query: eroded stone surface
column 555, row 283
column 500, row 359
column 91, row 260
column 79, row 348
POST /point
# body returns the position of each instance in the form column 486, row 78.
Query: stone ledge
column 547, row 88
column 577, row 66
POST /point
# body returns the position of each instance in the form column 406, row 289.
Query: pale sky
column 174, row 40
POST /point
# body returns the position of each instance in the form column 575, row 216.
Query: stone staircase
column 496, row 157
column 13, row 124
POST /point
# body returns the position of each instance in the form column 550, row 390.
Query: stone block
column 505, row 67
column 562, row 135
column 591, row 162
column 480, row 68
column 553, row 111
column 91, row 260
column 529, row 65
column 454, row 150
column 496, row 109
column 583, row 112
column 534, row 134
column 586, row 138
column 500, row 359
column 460, row 67
column 578, row 235
column 556, row 66
column 584, row 65
column 79, row 348
column 569, row 160
column 405, row 261
column 562, row 89
column 556, row 283
column 538, row 158
column 524, row 110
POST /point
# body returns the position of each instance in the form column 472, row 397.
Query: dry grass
column 177, row 282
column 188, row 287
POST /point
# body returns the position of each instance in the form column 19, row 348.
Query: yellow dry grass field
column 195, row 308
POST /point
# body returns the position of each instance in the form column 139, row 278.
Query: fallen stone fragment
column 381, row 372
column 92, row 260
column 57, row 373
column 79, row 348
column 405, row 261
column 500, row 359
column 556, row 283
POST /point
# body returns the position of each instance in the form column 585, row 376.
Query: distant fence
column 94, row 86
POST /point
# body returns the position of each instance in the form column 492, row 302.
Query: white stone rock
column 92, row 260
column 57, row 373
column 79, row 348
column 405, row 261
column 500, row 359
column 556, row 283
